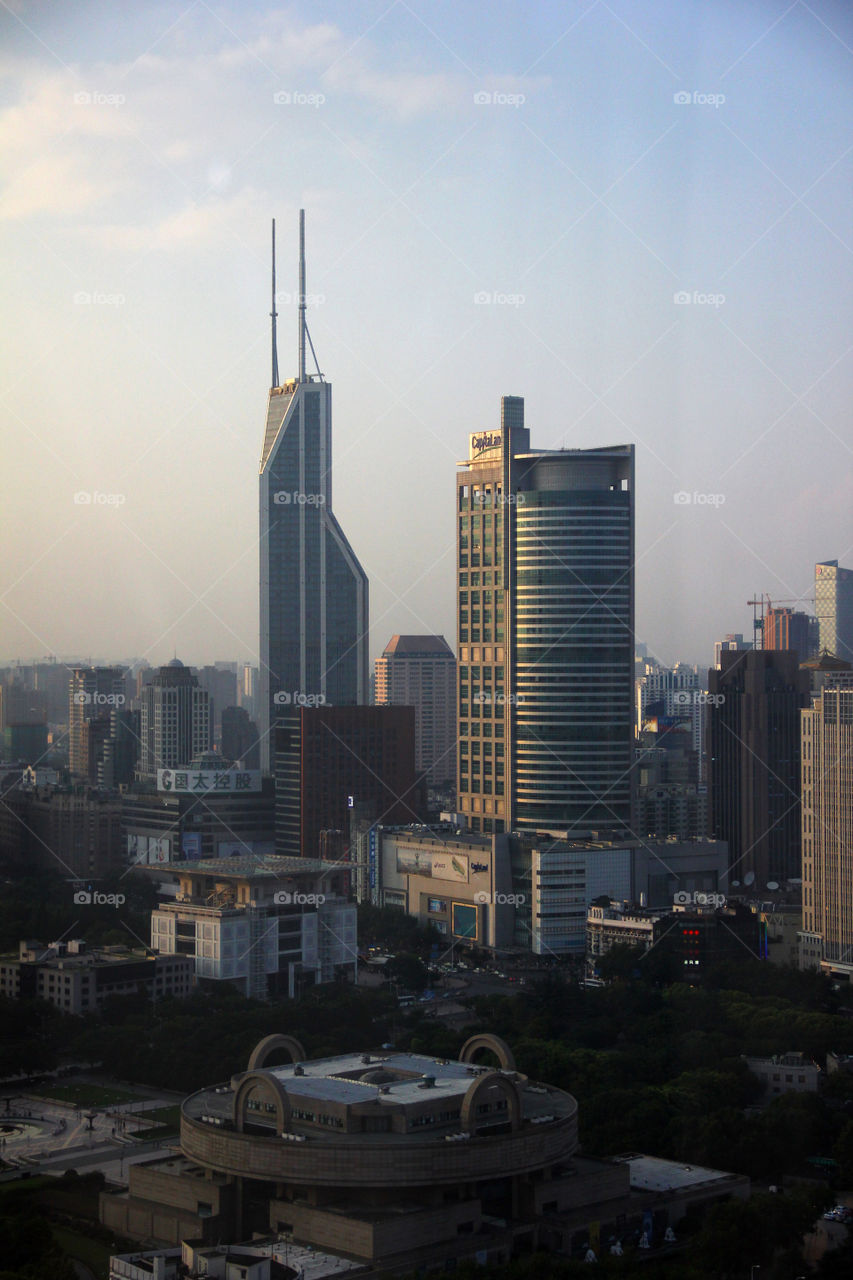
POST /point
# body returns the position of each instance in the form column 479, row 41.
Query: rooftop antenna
column 302, row 323
column 273, row 315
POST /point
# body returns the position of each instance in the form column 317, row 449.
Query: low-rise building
column 786, row 1073
column 78, row 979
column 268, row 925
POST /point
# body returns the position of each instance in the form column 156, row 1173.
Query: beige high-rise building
column 420, row 672
column 92, row 692
column 827, row 816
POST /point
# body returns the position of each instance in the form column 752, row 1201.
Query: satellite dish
column 771, row 884
column 749, row 878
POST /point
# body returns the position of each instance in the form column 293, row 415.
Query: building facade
column 827, row 830
column 270, row 926
column 420, row 672
column 790, row 629
column 313, row 590
column 175, row 720
column 78, row 979
column 545, row 594
column 93, row 692
column 754, row 763
column 833, row 590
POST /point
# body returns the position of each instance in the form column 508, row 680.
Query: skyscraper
column 753, row 755
column 420, row 672
column 175, row 719
column 545, row 568
column 827, row 783
column 833, row 589
column 313, row 591
column 92, row 692
column 790, row 629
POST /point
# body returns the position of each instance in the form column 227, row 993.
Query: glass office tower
column 545, row 563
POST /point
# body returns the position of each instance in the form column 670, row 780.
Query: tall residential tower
column 545, row 570
column 313, row 591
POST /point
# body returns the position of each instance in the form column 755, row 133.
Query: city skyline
column 669, row 267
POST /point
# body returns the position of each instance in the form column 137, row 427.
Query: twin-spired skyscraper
column 313, row 636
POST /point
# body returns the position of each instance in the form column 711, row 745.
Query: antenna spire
column 273, row 315
column 302, row 321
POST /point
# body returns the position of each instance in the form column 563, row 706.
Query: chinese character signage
column 202, row 782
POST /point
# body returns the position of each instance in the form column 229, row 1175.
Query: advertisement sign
column 199, row 782
column 191, row 845
column 372, row 842
column 452, row 866
column 414, row 862
column 464, row 920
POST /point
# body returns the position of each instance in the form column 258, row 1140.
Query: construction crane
column 758, row 622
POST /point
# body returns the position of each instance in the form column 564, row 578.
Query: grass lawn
column 87, row 1095
column 94, row 1253
column 163, row 1116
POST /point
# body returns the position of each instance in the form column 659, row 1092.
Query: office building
column 790, row 629
column 833, row 589
column 92, row 692
column 73, row 831
column 313, row 591
column 420, row 672
column 827, row 825
column 733, row 643
column 270, row 926
column 78, row 979
column 198, row 814
column 175, row 720
column 240, row 738
column 120, row 750
column 754, row 763
column 332, row 762
column 674, row 698
column 546, row 632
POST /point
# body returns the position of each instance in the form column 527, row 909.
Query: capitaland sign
column 483, row 440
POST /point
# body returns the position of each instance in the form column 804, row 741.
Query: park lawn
column 94, row 1253
column 169, row 1117
column 88, row 1095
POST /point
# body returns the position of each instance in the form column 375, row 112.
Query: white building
column 420, row 672
column 175, row 720
column 271, row 926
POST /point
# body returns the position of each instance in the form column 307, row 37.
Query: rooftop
column 648, row 1173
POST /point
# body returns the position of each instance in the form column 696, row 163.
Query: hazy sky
column 579, row 164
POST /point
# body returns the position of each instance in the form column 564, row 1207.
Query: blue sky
column 579, row 165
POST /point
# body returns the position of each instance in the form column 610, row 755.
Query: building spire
column 273, row 315
column 302, row 320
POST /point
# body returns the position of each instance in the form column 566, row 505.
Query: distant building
column 790, row 629
column 827, row 829
column 220, row 681
column 675, row 698
column 754, row 762
column 420, row 672
column 733, row 643
column 834, row 608
column 120, row 750
column 240, row 738
column 160, row 826
column 93, row 692
column 73, row 831
column 269, row 926
column 175, row 720
column 330, row 760
column 786, row 1073
column 78, row 979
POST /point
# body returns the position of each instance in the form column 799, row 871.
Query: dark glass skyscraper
column 546, row 632
column 313, row 635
